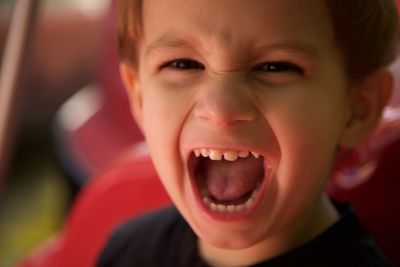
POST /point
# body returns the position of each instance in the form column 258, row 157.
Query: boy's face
column 234, row 76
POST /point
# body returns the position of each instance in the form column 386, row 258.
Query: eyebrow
column 167, row 41
column 297, row 46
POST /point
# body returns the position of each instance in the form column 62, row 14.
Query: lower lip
column 229, row 216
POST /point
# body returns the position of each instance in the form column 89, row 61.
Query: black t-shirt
column 164, row 239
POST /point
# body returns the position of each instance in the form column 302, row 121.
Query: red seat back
column 127, row 189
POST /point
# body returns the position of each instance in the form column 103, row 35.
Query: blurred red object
column 128, row 188
column 95, row 125
column 358, row 166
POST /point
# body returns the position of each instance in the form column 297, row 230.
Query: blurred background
column 66, row 56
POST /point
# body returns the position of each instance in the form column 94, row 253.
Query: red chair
column 128, row 188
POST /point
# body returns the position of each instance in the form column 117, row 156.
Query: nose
column 224, row 103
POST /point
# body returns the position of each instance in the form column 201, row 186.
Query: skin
column 233, row 95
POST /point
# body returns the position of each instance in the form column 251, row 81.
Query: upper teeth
column 227, row 155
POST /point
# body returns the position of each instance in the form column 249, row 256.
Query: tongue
column 230, row 181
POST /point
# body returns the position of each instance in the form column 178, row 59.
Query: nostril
column 223, row 113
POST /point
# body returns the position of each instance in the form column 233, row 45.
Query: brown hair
column 367, row 32
column 129, row 25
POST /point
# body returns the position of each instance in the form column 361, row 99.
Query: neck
column 314, row 223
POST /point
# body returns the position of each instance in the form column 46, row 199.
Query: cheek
column 164, row 113
column 164, row 110
column 306, row 157
column 308, row 137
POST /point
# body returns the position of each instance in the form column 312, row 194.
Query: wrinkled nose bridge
column 225, row 101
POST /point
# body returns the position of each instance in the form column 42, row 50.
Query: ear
column 129, row 78
column 367, row 99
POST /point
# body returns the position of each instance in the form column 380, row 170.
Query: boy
column 244, row 106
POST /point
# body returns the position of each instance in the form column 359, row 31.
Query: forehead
column 238, row 23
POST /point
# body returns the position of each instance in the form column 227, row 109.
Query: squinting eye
column 278, row 67
column 183, row 64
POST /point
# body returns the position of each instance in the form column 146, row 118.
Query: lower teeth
column 231, row 208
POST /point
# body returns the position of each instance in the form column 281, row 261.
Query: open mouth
column 229, row 181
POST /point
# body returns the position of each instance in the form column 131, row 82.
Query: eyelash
column 185, row 64
column 278, row 67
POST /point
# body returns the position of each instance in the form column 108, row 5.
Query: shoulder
column 347, row 243
column 367, row 255
column 142, row 239
column 355, row 246
column 150, row 224
column 344, row 244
